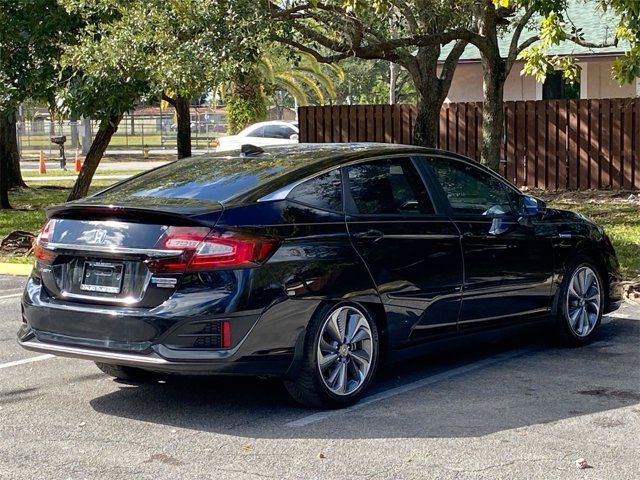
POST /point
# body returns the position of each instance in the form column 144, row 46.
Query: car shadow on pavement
column 535, row 383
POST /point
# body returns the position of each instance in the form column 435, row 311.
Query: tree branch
column 451, row 62
column 170, row 100
column 388, row 45
column 406, row 11
column 511, row 59
column 314, row 53
column 517, row 33
column 583, row 43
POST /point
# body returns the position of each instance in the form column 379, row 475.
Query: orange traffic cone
column 43, row 165
column 78, row 162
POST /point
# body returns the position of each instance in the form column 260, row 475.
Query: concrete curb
column 19, row 269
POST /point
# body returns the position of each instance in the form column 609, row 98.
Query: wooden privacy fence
column 548, row 144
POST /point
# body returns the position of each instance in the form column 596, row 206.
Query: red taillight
column 226, row 335
column 205, row 249
column 39, row 249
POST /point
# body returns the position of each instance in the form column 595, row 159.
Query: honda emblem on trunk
column 99, row 236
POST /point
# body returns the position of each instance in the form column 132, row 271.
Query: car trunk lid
column 102, row 253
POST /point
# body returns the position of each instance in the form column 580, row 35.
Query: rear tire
column 340, row 357
column 129, row 374
column 581, row 303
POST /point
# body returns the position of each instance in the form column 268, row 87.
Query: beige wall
column 599, row 83
column 596, row 82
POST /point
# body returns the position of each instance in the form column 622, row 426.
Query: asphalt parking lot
column 518, row 409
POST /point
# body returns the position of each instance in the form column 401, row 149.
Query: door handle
column 369, row 234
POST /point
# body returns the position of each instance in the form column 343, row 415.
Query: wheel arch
column 588, row 253
column 374, row 308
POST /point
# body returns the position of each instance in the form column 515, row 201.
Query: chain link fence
column 146, row 129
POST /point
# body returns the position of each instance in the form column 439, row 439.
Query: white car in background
column 261, row 134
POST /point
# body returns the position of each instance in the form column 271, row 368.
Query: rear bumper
column 166, row 338
column 153, row 361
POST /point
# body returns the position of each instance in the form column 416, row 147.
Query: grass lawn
column 28, row 204
column 619, row 217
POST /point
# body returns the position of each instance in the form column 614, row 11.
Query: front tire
column 581, row 303
column 340, row 358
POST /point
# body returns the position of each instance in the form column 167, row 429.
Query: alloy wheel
column 345, row 350
column 583, row 301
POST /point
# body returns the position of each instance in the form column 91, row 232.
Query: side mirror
column 532, row 207
column 294, row 136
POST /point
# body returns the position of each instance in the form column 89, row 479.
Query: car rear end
column 141, row 276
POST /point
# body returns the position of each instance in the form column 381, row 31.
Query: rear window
column 214, row 179
column 323, row 192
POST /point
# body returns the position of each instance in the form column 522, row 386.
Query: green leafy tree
column 180, row 47
column 94, row 84
column 279, row 70
column 556, row 28
column 247, row 103
column 369, row 82
column 147, row 50
column 32, row 33
column 408, row 33
column 627, row 67
column 517, row 17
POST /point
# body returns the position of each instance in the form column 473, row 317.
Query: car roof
column 270, row 122
column 230, row 179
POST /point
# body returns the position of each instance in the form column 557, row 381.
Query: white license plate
column 102, row 277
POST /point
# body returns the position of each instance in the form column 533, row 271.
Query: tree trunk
column 183, row 114
column 6, row 133
column 493, row 79
column 425, row 132
column 14, row 175
column 430, row 97
column 247, row 103
column 106, row 131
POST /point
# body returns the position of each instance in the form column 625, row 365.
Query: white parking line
column 26, row 360
column 617, row 315
column 439, row 377
column 13, row 295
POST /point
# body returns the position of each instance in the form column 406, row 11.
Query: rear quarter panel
column 314, row 263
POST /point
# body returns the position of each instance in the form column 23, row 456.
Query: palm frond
column 267, row 69
column 338, row 70
column 290, row 85
column 311, row 82
column 322, row 80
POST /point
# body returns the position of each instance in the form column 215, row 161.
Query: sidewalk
column 72, row 178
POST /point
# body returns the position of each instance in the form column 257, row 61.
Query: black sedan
column 311, row 263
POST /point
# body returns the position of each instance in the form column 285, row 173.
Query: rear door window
column 256, row 132
column 278, row 131
column 323, row 192
column 387, row 187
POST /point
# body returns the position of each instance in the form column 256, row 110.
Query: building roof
column 597, row 27
column 169, row 110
